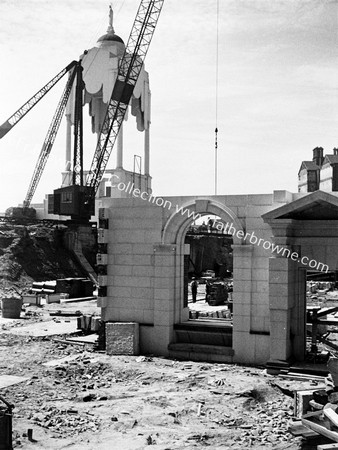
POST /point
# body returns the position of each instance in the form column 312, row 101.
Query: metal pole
column 216, row 145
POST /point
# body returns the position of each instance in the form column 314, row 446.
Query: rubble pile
column 32, row 253
column 82, row 374
column 89, row 398
column 67, row 422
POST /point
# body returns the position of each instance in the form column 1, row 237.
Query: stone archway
column 174, row 232
column 177, row 224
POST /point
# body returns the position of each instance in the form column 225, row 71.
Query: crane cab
column 75, row 201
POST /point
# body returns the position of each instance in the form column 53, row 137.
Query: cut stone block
column 332, row 365
column 122, row 338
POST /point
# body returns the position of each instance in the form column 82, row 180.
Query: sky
column 272, row 95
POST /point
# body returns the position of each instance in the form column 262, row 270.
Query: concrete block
column 119, row 270
column 163, row 318
column 142, row 249
column 278, row 264
column 280, row 290
column 243, row 274
column 121, row 224
column 122, row 338
column 261, row 289
column 282, row 197
column 31, row 299
column 242, row 298
column 241, row 286
column 102, row 302
column 136, row 260
column 260, row 309
column 110, row 313
column 164, row 261
column 258, row 211
column 148, row 316
column 278, row 277
column 165, row 282
column 119, row 291
column 162, row 294
column 279, row 348
column 278, row 302
column 153, row 235
column 257, row 323
column 242, row 308
column 241, row 323
column 260, row 199
column 142, row 292
column 244, row 347
column 164, row 305
column 280, row 330
column 260, row 274
column 333, row 369
column 126, row 236
column 262, row 348
column 117, row 249
column 301, row 402
column 162, row 271
column 131, row 281
column 242, row 262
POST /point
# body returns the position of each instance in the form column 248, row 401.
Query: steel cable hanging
column 216, row 95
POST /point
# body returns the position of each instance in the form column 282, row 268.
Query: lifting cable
column 216, row 102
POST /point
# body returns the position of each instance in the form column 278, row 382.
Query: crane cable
column 216, row 101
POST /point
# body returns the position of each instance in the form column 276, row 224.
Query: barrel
column 11, row 308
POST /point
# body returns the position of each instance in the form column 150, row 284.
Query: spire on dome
column 110, row 37
column 111, row 19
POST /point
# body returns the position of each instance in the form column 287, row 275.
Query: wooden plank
column 327, row 447
column 306, row 420
column 298, row 429
column 10, row 380
column 331, row 415
column 302, row 378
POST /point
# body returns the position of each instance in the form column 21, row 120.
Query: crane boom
column 129, row 69
column 21, row 112
column 50, row 137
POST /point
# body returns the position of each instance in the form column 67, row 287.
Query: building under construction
column 149, row 247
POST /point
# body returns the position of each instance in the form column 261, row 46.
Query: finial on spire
column 111, row 18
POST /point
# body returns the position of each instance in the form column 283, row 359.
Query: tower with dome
column 100, row 68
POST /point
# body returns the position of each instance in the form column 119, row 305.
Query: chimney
column 318, row 156
column 335, row 151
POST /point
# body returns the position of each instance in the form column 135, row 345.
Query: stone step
column 201, row 352
column 204, row 333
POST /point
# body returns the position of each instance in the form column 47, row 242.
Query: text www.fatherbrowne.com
column 225, row 228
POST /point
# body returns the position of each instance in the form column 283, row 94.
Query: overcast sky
column 277, row 90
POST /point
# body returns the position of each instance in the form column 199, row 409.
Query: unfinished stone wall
column 145, row 260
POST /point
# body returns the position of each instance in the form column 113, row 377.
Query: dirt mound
column 32, row 253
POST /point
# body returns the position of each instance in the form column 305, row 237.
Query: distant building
column 319, row 174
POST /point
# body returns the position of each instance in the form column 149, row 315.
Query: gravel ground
column 88, row 400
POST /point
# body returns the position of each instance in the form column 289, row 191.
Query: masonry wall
column 145, row 268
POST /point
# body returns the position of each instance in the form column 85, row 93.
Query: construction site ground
column 73, row 397
column 69, row 396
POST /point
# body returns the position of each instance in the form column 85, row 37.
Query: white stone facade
column 145, row 267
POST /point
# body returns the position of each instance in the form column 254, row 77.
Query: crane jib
column 4, row 128
column 122, row 92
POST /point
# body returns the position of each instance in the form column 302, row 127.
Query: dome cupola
column 110, row 39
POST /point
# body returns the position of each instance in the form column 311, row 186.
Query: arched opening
column 209, row 332
column 209, row 269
